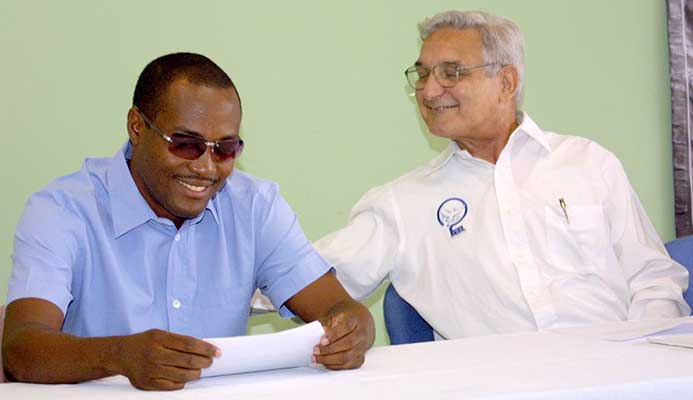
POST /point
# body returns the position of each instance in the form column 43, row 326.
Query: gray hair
column 502, row 40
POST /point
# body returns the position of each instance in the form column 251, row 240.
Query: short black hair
column 160, row 73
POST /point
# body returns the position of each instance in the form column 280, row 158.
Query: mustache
column 438, row 101
column 198, row 178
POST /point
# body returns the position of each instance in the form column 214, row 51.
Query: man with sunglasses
column 512, row 228
column 123, row 266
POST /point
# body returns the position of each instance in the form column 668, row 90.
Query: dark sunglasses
column 192, row 147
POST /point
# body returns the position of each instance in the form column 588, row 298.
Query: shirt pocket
column 577, row 242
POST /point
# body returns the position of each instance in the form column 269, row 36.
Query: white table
column 522, row 366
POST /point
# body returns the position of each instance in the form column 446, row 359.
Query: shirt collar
column 531, row 129
column 128, row 208
column 527, row 127
column 443, row 157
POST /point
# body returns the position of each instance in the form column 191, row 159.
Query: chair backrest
column 2, row 323
column 403, row 322
column 681, row 250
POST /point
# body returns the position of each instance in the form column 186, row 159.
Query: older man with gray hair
column 512, row 228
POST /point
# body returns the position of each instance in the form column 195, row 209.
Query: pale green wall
column 325, row 101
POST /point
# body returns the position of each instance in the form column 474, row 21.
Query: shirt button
column 177, row 238
column 176, row 304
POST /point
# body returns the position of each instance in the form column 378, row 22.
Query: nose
column 204, row 166
column 431, row 88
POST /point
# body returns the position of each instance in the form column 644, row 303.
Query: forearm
column 36, row 354
column 655, row 281
column 349, row 327
column 656, row 284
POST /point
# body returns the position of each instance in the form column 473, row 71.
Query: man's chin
column 189, row 212
column 442, row 133
column 441, row 127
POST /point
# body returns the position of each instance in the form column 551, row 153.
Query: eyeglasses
column 447, row 74
column 192, row 147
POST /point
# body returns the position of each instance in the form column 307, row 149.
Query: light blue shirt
column 91, row 244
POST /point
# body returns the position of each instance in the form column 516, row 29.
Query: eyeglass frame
column 169, row 139
column 460, row 70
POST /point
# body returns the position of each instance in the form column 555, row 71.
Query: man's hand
column 35, row 350
column 349, row 332
column 160, row 360
column 349, row 327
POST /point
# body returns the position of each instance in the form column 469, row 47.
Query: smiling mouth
column 193, row 188
column 441, row 108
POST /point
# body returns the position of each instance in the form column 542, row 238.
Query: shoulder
column 421, row 175
column 248, row 196
column 410, row 183
column 56, row 216
column 244, row 187
column 579, row 149
column 74, row 191
column 586, row 157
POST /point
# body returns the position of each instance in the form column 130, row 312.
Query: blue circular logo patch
column 451, row 212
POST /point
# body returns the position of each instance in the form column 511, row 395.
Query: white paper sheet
column 626, row 331
column 287, row 349
column 675, row 340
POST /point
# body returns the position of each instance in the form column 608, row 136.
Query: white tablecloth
column 522, row 366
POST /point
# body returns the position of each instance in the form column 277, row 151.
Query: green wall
column 326, row 111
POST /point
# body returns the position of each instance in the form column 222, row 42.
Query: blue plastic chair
column 681, row 250
column 404, row 324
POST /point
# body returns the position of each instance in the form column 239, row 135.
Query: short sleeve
column 45, row 248
column 287, row 260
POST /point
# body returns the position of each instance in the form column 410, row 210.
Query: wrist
column 111, row 355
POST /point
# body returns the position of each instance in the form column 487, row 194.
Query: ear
column 135, row 126
column 510, row 81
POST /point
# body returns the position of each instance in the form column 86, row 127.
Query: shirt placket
column 510, row 206
column 180, row 286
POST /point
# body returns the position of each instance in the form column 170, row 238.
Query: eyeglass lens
column 447, row 75
column 192, row 148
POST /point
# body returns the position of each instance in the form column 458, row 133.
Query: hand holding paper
column 160, row 360
column 349, row 333
column 286, row 349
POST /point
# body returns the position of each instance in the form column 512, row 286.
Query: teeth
column 441, row 108
column 192, row 187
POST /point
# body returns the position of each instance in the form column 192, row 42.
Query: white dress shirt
column 552, row 235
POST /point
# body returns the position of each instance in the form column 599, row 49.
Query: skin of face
column 470, row 109
column 176, row 188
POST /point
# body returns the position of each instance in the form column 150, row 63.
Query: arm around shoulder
column 365, row 251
